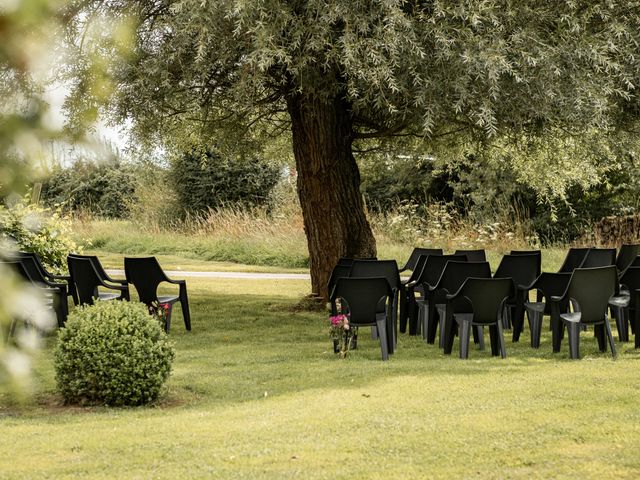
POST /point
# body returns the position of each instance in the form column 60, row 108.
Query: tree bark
column 328, row 186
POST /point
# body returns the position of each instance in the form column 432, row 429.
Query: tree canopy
column 490, row 72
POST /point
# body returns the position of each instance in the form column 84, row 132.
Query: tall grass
column 275, row 236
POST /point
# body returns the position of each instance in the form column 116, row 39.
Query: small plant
column 112, row 353
column 341, row 333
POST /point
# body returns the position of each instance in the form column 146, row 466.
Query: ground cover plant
column 242, row 403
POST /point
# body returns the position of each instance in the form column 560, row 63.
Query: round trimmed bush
column 112, row 353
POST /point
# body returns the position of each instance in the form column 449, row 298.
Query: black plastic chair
column 54, row 296
column 479, row 302
column 626, row 256
column 59, row 291
column 369, row 302
column 636, row 262
column 428, row 276
column 599, row 257
column 387, row 269
column 547, row 285
column 407, row 298
column 625, row 305
column 88, row 282
column 452, row 278
column 523, row 270
column 50, row 277
column 589, row 293
column 146, row 274
column 104, row 276
column 415, row 255
column 575, row 256
column 473, row 255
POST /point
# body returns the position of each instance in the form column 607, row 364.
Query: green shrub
column 40, row 230
column 210, row 180
column 112, row 353
column 103, row 189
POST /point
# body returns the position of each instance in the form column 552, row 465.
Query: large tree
column 338, row 72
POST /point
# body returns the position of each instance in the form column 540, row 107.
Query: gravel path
column 177, row 274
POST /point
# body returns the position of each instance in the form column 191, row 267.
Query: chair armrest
column 556, row 298
column 175, row 282
column 58, row 277
column 524, row 288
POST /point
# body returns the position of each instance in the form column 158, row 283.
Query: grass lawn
column 256, row 393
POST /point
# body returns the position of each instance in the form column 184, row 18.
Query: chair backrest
column 96, row 264
column 85, row 278
column 377, row 268
column 417, row 270
column 145, row 274
column 627, row 255
column 434, row 265
column 631, row 280
column 19, row 269
column 344, row 261
column 592, row 288
column 415, row 255
column 473, row 255
column 523, row 269
column 486, row 297
column 530, row 252
column 31, row 267
column 574, row 258
column 456, row 273
column 599, row 257
column 339, row 271
column 636, row 262
column 364, row 297
column 552, row 284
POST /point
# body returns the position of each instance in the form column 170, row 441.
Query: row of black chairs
column 88, row 282
column 459, row 295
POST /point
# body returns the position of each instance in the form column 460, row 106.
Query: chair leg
column 573, row 329
column 184, row 302
column 506, row 318
column 449, row 328
column 557, row 327
column 167, row 320
column 636, row 322
column 478, row 336
column 503, row 350
column 518, row 317
column 493, row 340
column 465, row 330
column 388, row 328
column 422, row 318
column 384, row 341
column 607, row 327
column 599, row 332
column 403, row 311
column 441, row 330
column 623, row 330
column 374, row 333
column 431, row 322
column 535, row 325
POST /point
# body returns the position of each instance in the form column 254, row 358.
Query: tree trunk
column 328, row 186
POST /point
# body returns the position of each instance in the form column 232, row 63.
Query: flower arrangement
column 341, row 333
column 161, row 312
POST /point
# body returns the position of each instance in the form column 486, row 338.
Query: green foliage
column 104, row 189
column 44, row 231
column 112, row 353
column 211, row 180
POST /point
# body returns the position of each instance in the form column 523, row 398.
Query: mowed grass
column 256, row 393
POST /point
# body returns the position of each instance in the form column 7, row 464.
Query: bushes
column 103, row 189
column 40, row 230
column 113, row 353
column 210, row 180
